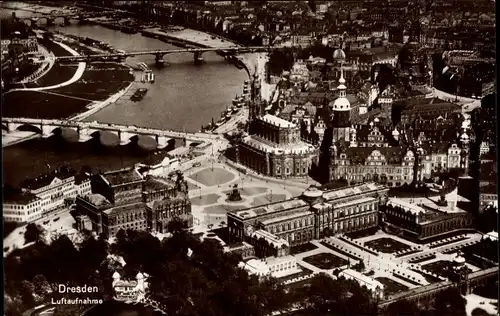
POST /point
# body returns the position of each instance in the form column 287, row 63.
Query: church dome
column 341, row 104
column 352, row 130
column 338, row 55
column 464, row 137
column 116, row 275
column 395, row 132
column 376, row 120
column 139, row 276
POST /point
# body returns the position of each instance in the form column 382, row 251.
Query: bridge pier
column 162, row 141
column 124, row 138
column 50, row 22
column 159, row 62
column 47, row 131
column 198, row 58
column 11, row 127
column 83, row 134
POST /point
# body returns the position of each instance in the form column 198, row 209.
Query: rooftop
column 47, row 178
column 269, row 208
column 96, row 199
column 123, row 208
column 414, row 209
column 370, row 283
column 270, row 238
column 289, row 217
column 353, row 190
column 153, row 184
column 20, row 198
column 123, row 176
column 276, row 121
column 297, row 148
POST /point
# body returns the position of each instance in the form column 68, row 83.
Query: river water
column 183, row 97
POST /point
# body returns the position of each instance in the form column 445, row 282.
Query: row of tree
column 187, row 277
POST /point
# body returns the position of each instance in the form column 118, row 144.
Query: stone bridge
column 88, row 130
column 474, row 280
column 51, row 19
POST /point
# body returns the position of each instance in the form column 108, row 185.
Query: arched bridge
column 51, row 19
column 474, row 280
column 226, row 51
column 86, row 130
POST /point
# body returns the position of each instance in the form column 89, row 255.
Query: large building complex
column 273, row 145
column 123, row 199
column 424, row 221
column 311, row 216
column 44, row 194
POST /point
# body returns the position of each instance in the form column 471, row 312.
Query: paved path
column 78, row 74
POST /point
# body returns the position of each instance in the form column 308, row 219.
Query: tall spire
column 341, row 87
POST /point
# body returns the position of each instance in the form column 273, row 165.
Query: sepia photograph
column 249, row 158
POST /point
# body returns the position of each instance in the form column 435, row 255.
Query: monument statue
column 234, row 195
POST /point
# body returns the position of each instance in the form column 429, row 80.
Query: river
column 183, row 97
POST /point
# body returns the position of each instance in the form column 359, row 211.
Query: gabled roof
column 47, row 178
column 358, row 155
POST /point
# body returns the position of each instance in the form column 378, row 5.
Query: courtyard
column 203, row 200
column 210, row 183
column 441, row 268
column 325, row 261
column 391, row 287
column 386, row 245
column 210, row 177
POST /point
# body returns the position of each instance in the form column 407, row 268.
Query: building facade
column 423, row 221
column 273, row 146
column 312, row 216
column 44, row 194
column 22, row 207
column 123, row 199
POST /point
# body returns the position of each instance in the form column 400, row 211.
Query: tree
column 32, row 233
column 41, row 286
column 403, row 307
column 450, row 302
column 26, row 291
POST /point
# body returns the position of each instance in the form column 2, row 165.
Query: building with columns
column 273, row 146
column 313, row 215
column 423, row 221
column 124, row 199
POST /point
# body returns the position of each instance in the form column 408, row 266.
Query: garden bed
column 398, row 276
column 387, row 245
column 302, row 248
column 340, row 251
column 358, row 246
column 448, row 242
column 408, row 253
column 326, row 261
column 422, row 259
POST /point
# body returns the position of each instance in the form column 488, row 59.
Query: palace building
column 273, row 146
column 123, row 199
column 44, row 194
column 313, row 215
column 425, row 220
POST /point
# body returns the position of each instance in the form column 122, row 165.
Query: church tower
column 341, row 111
column 256, row 98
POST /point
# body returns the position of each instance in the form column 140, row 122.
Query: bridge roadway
column 234, row 49
column 124, row 132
